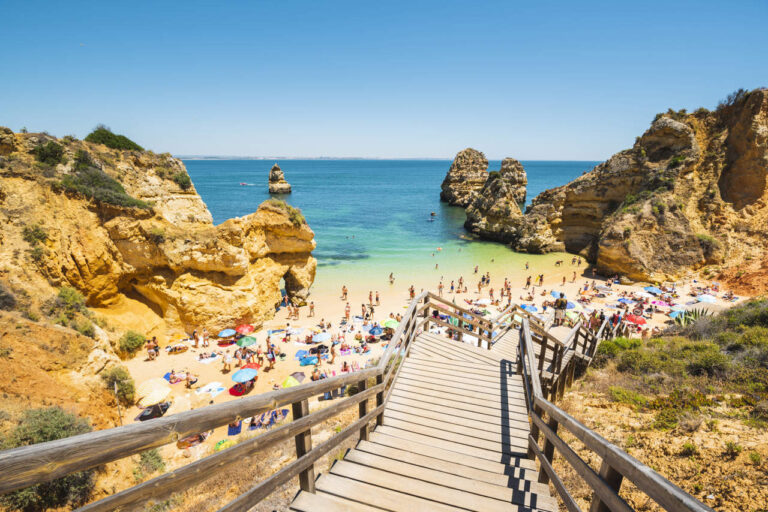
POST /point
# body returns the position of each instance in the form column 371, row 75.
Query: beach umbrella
column 626, row 301
column 391, row 323
column 226, row 333
column 150, row 385
column 635, row 319
column 247, row 341
column 299, row 376
column 556, row 294
column 706, row 298
column 570, row 305
column 653, row 290
column 244, row 375
column 290, row 382
column 321, row 337
column 155, row 396
column 530, row 309
column 255, row 366
column 376, row 331
column 244, row 328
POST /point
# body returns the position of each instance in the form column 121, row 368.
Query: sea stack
column 467, row 174
column 494, row 212
column 277, row 183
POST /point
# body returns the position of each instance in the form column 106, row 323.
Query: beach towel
column 234, row 428
column 301, row 354
column 212, row 388
column 307, row 361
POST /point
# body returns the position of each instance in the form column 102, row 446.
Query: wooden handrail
column 655, row 486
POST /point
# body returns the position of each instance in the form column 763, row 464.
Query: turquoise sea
column 370, row 217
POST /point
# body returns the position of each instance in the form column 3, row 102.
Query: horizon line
column 277, row 157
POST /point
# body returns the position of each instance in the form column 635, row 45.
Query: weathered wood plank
column 308, row 502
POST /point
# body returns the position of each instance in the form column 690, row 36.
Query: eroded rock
column 277, row 183
column 467, row 174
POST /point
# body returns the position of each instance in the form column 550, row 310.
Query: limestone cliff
column 494, row 212
column 690, row 193
column 467, row 174
column 128, row 230
column 277, row 183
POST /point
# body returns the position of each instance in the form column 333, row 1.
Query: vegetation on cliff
column 103, row 135
column 38, row 426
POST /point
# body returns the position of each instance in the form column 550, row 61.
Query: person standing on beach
column 370, row 298
column 312, row 308
column 344, row 292
column 560, row 306
column 440, row 289
column 347, row 310
column 412, row 292
column 391, row 278
column 528, row 282
column 526, row 265
column 378, row 299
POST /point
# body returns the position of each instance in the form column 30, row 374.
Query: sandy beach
column 394, row 298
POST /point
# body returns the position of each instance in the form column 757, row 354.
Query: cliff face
column 494, row 212
column 161, row 256
column 690, row 193
column 277, row 183
column 467, row 174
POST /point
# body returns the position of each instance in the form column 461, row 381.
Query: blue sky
column 532, row 80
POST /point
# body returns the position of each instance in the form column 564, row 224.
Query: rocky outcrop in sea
column 277, row 183
column 467, row 174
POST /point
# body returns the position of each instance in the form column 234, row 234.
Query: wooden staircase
column 454, row 437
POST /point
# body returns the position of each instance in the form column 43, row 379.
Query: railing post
column 380, row 398
column 613, row 478
column 303, row 446
column 363, row 406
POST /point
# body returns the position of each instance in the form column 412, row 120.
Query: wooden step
column 453, row 442
column 520, row 492
column 308, row 502
column 468, row 386
column 383, row 437
column 463, row 394
column 486, row 371
column 416, row 487
column 513, row 445
column 449, row 347
column 374, row 495
column 512, row 381
column 450, row 399
column 450, row 463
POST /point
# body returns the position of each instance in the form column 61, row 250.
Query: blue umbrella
column 530, row 309
column 706, row 298
column 375, row 331
column 245, row 374
column 321, row 337
column 570, row 305
column 556, row 294
column 626, row 301
column 653, row 290
column 226, row 333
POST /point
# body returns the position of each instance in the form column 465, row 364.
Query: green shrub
column 627, row 396
column 131, row 342
column 151, row 461
column 733, row 449
column 711, row 363
column 49, row 154
column 37, row 254
column 157, row 234
column 689, row 450
column 676, row 160
column 735, row 97
column 182, row 180
column 84, row 327
column 103, row 135
column 755, row 458
column 38, row 426
column 7, row 299
column 93, row 183
column 294, row 214
column 34, row 234
column 70, row 301
column 666, row 419
column 126, row 389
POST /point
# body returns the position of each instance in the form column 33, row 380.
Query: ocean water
column 372, row 217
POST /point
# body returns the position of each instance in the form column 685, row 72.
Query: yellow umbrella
column 290, row 382
column 154, row 397
column 150, row 385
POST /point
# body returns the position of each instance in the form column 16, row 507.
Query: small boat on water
column 243, row 184
column 433, row 214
